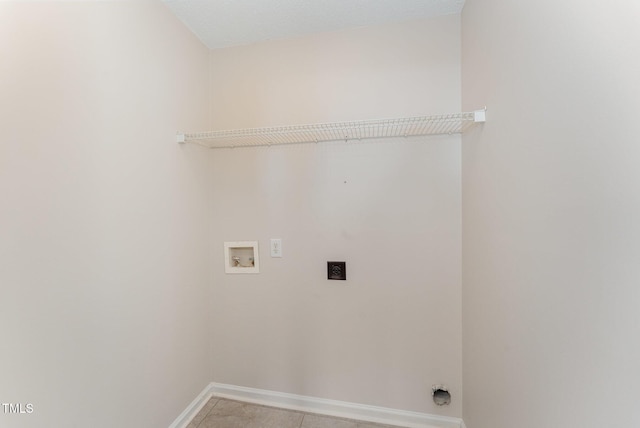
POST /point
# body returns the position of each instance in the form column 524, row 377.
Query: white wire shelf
column 444, row 124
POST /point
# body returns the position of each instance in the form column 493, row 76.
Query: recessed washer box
column 241, row 257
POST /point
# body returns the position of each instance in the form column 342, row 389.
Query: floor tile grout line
column 207, row 414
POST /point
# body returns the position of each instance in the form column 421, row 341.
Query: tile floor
column 223, row 413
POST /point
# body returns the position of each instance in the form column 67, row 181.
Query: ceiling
column 223, row 23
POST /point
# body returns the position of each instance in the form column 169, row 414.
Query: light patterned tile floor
column 222, row 413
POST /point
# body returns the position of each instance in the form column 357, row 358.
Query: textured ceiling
column 222, row 23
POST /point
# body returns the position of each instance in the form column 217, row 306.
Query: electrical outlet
column 276, row 247
column 337, row 270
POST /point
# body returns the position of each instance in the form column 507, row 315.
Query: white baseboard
column 332, row 407
column 192, row 409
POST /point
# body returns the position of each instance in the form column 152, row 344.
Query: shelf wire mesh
column 455, row 123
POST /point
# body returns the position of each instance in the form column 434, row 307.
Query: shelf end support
column 480, row 116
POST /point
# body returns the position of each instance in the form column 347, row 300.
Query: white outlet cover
column 276, row 247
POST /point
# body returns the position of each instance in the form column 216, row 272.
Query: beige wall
column 551, row 202
column 412, row 68
column 113, row 299
column 390, row 209
column 103, row 249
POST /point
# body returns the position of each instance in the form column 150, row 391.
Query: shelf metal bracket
column 480, row 116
